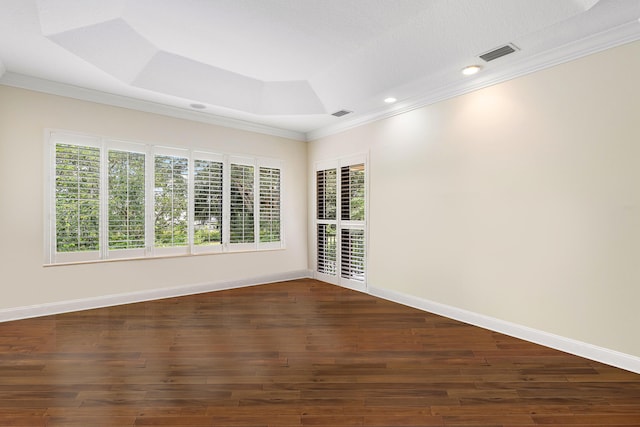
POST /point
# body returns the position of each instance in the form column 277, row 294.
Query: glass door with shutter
column 341, row 223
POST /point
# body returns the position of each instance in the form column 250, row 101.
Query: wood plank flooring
column 298, row 353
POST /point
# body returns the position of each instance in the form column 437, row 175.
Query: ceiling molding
column 54, row 88
column 611, row 38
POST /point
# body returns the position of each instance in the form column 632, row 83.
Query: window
column 126, row 200
column 207, row 203
column 327, row 249
column 326, row 216
column 242, row 209
column 326, row 192
column 352, row 254
column 171, row 200
column 114, row 199
column 77, row 198
column 352, row 192
column 341, row 239
column 269, row 205
column 352, row 208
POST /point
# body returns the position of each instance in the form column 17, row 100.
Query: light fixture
column 390, row 100
column 198, row 106
column 471, row 70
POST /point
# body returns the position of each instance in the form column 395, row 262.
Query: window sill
column 158, row 257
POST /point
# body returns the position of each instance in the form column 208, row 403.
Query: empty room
column 272, row 213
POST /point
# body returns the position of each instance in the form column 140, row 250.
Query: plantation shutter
column 326, row 258
column 269, row 205
column 126, row 200
column 77, row 198
column 171, row 201
column 340, row 222
column 112, row 199
column 352, row 193
column 326, row 194
column 352, row 254
column 352, row 186
column 207, row 203
column 326, row 190
column 241, row 220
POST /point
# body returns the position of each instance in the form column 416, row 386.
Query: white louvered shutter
column 341, row 222
column 207, row 203
column 77, row 198
column 242, row 215
column 171, row 201
column 352, row 213
column 269, row 205
column 126, row 200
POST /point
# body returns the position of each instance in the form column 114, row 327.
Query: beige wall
column 520, row 201
column 24, row 281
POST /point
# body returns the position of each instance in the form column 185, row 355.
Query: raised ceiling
column 284, row 66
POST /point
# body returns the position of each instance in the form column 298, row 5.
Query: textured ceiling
column 289, row 64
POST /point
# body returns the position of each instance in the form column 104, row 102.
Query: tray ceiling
column 287, row 65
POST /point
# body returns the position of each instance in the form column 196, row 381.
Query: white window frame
column 212, row 157
column 51, row 257
column 51, row 254
column 171, row 250
column 116, row 145
column 274, row 164
column 248, row 246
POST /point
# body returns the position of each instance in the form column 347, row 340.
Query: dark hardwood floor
column 299, row 353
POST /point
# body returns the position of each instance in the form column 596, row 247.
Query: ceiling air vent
column 341, row 113
column 499, row 52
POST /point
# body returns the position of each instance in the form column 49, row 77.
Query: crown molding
column 617, row 36
column 61, row 89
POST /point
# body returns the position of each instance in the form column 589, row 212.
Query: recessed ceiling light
column 390, row 100
column 198, row 106
column 471, row 69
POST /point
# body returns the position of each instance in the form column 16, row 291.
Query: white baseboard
column 568, row 345
column 47, row 309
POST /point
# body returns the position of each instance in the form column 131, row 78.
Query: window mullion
column 149, row 202
column 338, row 223
column 256, row 205
column 190, row 199
column 104, row 200
column 226, row 203
column 50, row 221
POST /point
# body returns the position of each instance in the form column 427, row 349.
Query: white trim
column 121, row 145
column 72, row 138
column 49, row 211
column 61, row 89
column 48, row 309
column 327, row 278
column 608, row 39
column 353, row 285
column 568, row 345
